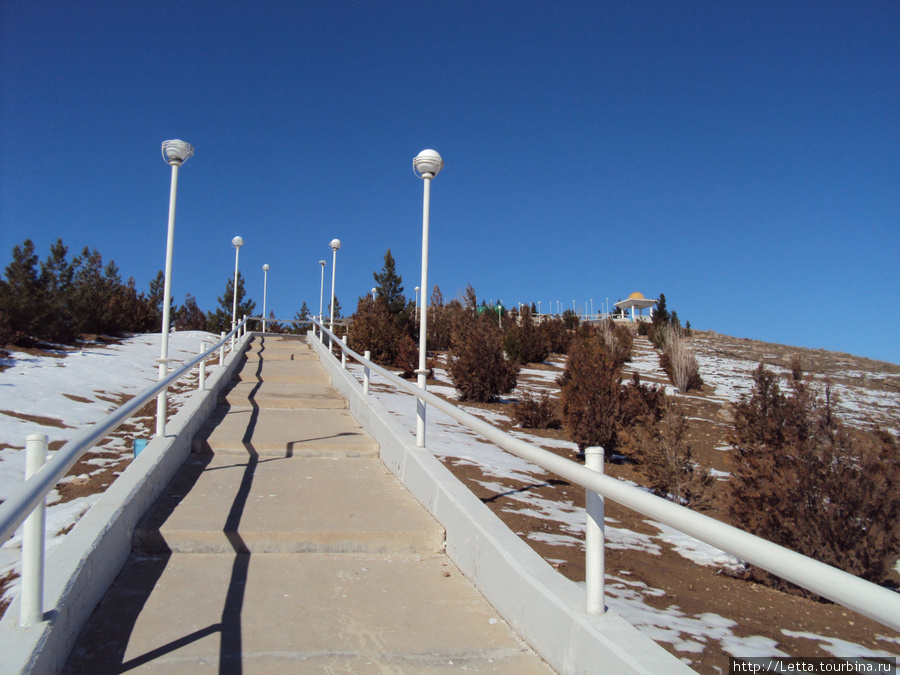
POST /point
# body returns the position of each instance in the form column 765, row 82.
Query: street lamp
column 417, row 304
column 265, row 285
column 237, row 242
column 374, row 292
column 426, row 165
column 335, row 245
column 175, row 153
column 321, row 289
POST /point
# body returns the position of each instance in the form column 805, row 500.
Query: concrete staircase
column 285, row 545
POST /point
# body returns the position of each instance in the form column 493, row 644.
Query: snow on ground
column 503, row 472
column 67, row 394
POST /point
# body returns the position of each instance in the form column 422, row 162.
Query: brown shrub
column 618, row 340
column 641, row 402
column 665, row 458
column 478, row 366
column 556, row 334
column 591, row 392
column 532, row 412
column 805, row 481
column 375, row 329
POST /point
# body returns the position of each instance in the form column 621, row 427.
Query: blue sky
column 739, row 157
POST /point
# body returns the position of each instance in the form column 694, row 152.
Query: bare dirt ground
column 692, row 589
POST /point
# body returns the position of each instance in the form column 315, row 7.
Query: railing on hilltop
column 869, row 599
column 26, row 504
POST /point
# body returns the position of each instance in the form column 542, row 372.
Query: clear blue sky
column 740, row 157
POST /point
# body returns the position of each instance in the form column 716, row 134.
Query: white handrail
column 869, row 599
column 16, row 508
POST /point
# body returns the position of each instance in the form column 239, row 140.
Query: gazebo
column 636, row 301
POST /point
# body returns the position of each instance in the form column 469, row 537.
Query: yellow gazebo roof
column 636, row 301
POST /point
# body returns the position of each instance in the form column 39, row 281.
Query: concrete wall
column 543, row 607
column 80, row 570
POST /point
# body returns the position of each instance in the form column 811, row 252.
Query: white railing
column 28, row 501
column 869, row 599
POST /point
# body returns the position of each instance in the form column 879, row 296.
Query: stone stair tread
column 221, row 504
column 267, row 394
column 309, row 372
column 297, row 613
column 284, row 432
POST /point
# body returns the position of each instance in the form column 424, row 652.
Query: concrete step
column 224, row 504
column 284, row 433
column 285, row 613
column 280, row 348
column 306, row 370
column 282, row 395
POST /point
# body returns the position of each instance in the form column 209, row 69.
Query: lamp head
column 177, row 152
column 265, row 268
column 237, row 242
column 428, row 164
column 335, row 244
column 322, row 263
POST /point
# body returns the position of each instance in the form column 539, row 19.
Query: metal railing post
column 201, row 384
column 31, row 610
column 594, row 554
column 222, row 349
column 344, row 354
column 366, row 374
column 244, row 326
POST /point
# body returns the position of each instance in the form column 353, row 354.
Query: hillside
column 684, row 594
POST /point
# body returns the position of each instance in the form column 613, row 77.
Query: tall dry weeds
column 679, row 361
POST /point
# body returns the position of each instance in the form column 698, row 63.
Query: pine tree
column 55, row 310
column 299, row 325
column 21, row 292
column 389, row 286
column 661, row 315
column 337, row 308
column 189, row 316
column 220, row 320
column 157, row 288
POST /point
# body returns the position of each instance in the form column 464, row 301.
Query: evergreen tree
column 337, row 308
column 56, row 280
column 389, row 286
column 220, row 320
column 21, row 292
column 299, row 324
column 157, row 288
column 189, row 316
column 661, row 315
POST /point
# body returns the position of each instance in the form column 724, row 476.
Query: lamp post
column 374, row 294
column 335, row 245
column 417, row 304
column 237, row 242
column 175, row 153
column 265, row 286
column 426, row 165
column 321, row 289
